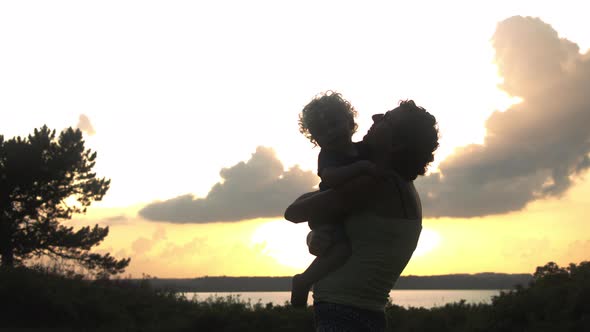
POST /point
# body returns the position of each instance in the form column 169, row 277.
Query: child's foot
column 299, row 291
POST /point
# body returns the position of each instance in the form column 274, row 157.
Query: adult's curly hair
column 329, row 100
column 418, row 133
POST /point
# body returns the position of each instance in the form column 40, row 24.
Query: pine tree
column 44, row 180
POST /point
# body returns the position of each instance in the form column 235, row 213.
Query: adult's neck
column 381, row 160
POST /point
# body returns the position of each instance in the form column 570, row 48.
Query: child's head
column 328, row 120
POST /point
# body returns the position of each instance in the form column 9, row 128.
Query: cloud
column 257, row 188
column 143, row 245
column 85, row 125
column 117, row 220
column 191, row 248
column 535, row 149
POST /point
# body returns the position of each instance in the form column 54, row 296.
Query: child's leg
column 332, row 259
column 319, row 268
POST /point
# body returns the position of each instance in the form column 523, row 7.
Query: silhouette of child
column 328, row 121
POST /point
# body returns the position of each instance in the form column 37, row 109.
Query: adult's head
column 404, row 138
column 328, row 119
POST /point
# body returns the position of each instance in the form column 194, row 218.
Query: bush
column 558, row 299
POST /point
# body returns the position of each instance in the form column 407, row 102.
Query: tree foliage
column 44, row 180
column 557, row 299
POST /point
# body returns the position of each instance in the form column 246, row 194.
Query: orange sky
column 547, row 230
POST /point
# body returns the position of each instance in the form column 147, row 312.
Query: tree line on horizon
column 274, row 284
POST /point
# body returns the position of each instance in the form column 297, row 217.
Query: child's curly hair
column 329, row 100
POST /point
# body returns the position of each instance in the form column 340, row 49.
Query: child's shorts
column 337, row 232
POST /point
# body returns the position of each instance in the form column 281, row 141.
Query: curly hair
column 328, row 100
column 418, row 133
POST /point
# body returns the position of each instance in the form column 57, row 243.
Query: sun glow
column 429, row 240
column 284, row 242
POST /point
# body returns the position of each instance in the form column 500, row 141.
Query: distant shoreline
column 479, row 281
column 394, row 289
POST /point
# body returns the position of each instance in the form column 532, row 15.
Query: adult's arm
column 322, row 206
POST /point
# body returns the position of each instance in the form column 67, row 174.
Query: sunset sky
column 192, row 108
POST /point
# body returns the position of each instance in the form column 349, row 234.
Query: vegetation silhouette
column 487, row 280
column 556, row 299
column 44, row 180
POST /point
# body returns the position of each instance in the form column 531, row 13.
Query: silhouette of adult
column 382, row 217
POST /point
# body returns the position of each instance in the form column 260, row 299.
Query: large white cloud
column 257, row 188
column 535, row 149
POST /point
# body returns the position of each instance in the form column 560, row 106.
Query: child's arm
column 302, row 198
column 325, row 205
column 335, row 176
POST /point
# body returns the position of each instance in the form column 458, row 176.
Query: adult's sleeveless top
column 381, row 249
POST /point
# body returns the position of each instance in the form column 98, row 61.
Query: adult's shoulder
column 407, row 194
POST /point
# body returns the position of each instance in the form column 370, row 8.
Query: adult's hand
column 318, row 242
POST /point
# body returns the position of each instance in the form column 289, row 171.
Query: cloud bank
column 533, row 150
column 536, row 148
column 257, row 188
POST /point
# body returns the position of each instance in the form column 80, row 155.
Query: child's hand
column 318, row 242
column 369, row 168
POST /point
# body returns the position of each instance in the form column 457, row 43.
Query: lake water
column 405, row 298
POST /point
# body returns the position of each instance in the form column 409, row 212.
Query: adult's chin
column 368, row 135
